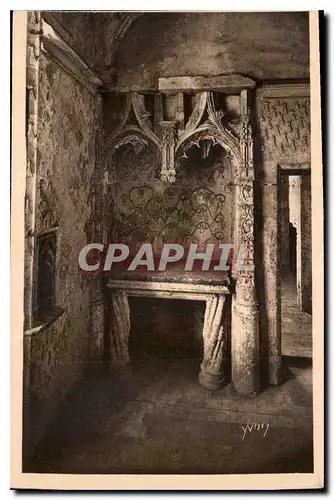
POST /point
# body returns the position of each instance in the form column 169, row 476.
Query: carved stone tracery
column 204, row 123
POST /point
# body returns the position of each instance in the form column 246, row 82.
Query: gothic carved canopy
column 173, row 123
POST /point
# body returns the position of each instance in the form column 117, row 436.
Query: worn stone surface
column 268, row 283
column 284, row 126
column 155, row 418
column 296, row 324
column 306, row 244
column 78, row 31
column 198, row 208
column 66, row 160
column 134, row 204
column 186, row 44
column 32, row 99
column 283, row 138
column 96, row 347
column 94, row 36
column 178, row 47
column 179, row 44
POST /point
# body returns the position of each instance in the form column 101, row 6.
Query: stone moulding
column 53, row 45
column 284, row 90
column 228, row 84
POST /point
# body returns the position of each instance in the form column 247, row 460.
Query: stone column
column 245, row 343
column 245, row 334
column 119, row 329
column 271, row 323
column 211, row 375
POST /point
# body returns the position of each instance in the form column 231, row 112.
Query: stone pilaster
column 245, row 343
column 212, row 373
column 272, row 281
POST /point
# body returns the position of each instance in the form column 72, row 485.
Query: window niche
column 45, row 292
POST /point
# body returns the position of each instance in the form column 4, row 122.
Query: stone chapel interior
column 183, row 127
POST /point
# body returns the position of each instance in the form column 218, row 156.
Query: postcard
column 167, row 263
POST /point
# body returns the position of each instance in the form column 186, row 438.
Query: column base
column 211, row 381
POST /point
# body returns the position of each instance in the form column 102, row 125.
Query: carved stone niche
column 207, row 121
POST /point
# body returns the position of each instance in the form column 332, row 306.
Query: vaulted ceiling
column 94, row 36
column 132, row 49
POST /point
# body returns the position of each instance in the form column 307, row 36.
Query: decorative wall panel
column 197, row 208
column 285, row 128
column 67, row 118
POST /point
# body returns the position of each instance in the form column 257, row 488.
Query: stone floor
column 296, row 325
column 154, row 417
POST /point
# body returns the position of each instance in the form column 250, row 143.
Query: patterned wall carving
column 65, row 165
column 285, row 127
column 173, row 182
column 197, row 208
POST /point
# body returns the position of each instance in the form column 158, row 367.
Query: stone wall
column 197, row 208
column 283, row 138
column 263, row 45
column 134, row 49
column 175, row 44
column 78, row 31
column 306, row 244
column 67, row 118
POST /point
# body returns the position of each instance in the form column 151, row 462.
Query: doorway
column 295, row 260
